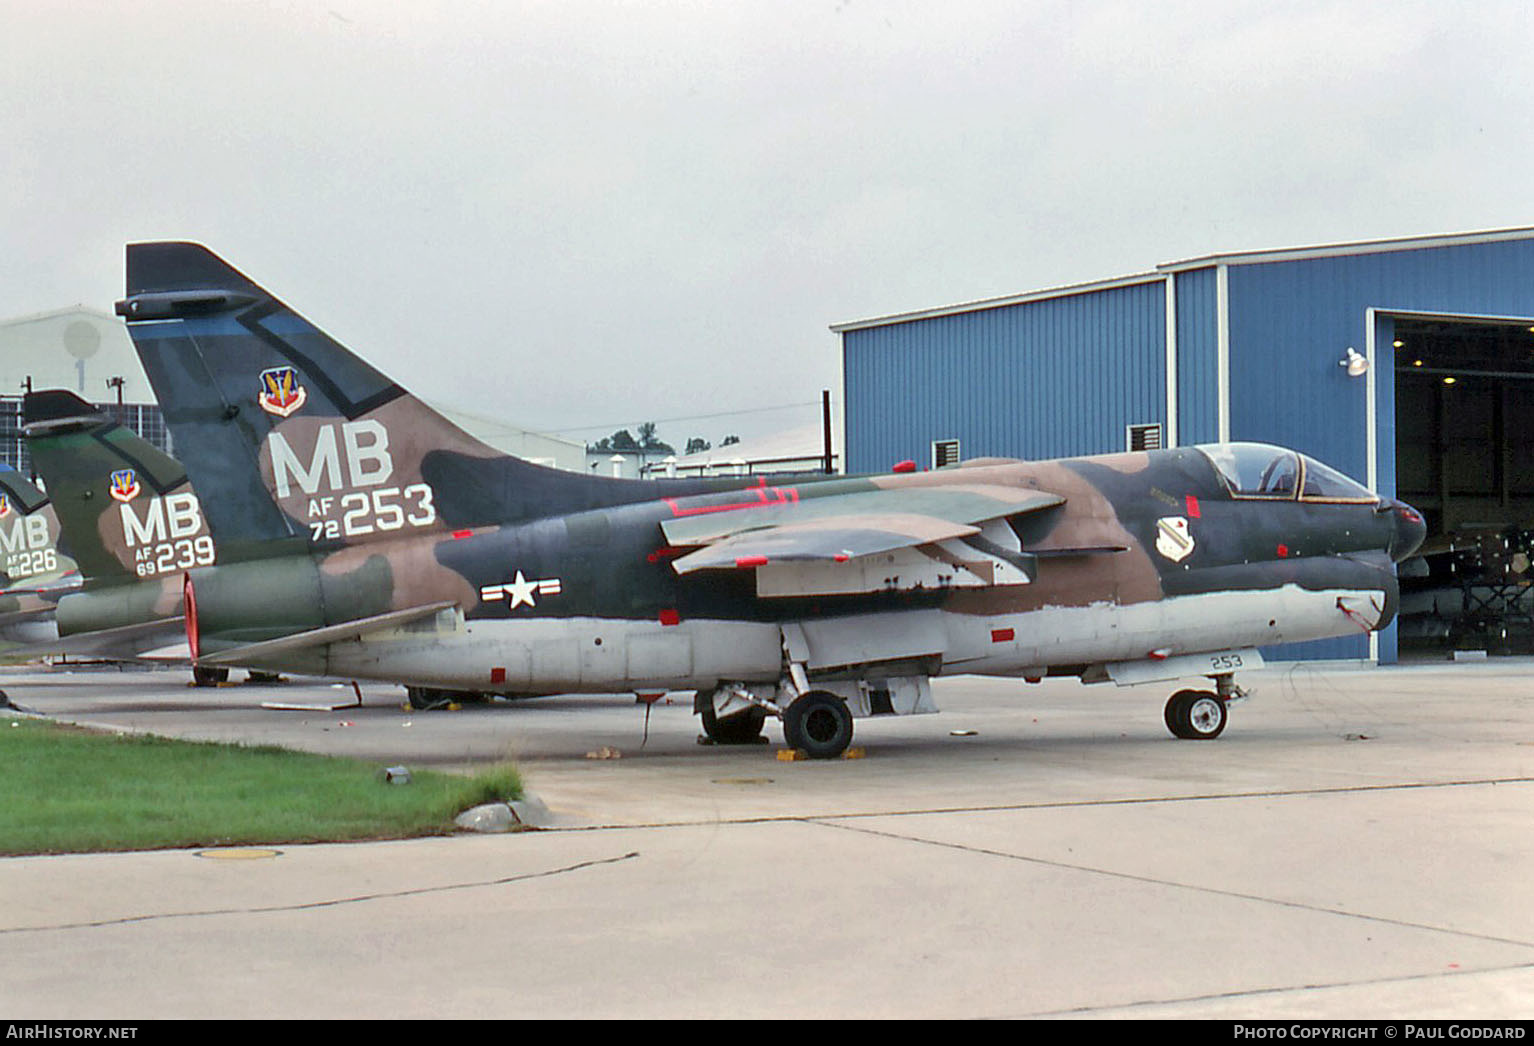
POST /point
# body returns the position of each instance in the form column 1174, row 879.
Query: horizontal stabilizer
column 32, row 613
column 317, row 637
column 128, row 641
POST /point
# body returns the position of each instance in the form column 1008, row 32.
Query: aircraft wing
column 863, row 540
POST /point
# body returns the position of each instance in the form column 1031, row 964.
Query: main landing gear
column 819, row 724
column 1201, row 715
column 743, row 727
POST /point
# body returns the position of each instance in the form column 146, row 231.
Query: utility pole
column 117, row 383
column 825, row 424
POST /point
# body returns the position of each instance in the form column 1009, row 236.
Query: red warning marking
column 765, row 495
column 459, row 535
column 1002, row 635
column 1283, row 551
column 1193, row 512
column 497, row 675
column 670, row 616
column 750, row 561
column 189, row 610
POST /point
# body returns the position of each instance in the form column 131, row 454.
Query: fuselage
column 1149, row 555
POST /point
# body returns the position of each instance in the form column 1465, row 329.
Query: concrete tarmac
column 1357, row 845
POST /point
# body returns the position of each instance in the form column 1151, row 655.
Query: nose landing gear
column 1201, row 715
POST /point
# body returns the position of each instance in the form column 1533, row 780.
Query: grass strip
column 68, row 790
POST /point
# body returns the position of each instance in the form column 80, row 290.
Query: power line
column 689, row 417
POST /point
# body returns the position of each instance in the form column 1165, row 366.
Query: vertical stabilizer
column 126, row 508
column 290, row 437
column 31, row 552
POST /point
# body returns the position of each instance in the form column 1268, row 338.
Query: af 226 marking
column 27, row 564
column 363, row 513
column 27, row 548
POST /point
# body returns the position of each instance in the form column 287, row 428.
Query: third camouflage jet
column 361, row 534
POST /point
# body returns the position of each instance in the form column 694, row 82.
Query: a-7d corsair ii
column 360, row 534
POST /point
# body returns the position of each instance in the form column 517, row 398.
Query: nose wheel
column 1196, row 715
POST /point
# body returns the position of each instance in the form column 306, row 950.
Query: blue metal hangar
column 1408, row 364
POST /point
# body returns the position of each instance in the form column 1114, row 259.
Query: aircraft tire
column 209, row 676
column 422, row 698
column 1196, row 715
column 819, row 724
column 742, row 728
column 1176, row 708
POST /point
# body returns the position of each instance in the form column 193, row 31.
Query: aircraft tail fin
column 32, row 552
column 289, row 436
column 125, row 507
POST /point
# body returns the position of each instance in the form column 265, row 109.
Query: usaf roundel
column 281, row 394
column 1172, row 538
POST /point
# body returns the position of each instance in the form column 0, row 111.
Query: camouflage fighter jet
column 34, row 573
column 128, row 514
column 363, row 535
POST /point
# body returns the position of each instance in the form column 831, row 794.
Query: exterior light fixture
column 1357, row 366
column 1398, row 343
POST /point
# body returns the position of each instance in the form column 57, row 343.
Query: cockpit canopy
column 1257, row 470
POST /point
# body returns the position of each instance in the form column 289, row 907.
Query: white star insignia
column 521, row 591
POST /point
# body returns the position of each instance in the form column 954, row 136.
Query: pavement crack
column 1214, row 891
column 333, row 902
column 1276, row 990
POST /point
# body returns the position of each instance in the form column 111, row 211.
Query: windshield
column 1256, row 470
column 1324, row 483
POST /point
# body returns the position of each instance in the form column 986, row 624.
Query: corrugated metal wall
column 1042, row 379
column 1291, row 322
column 1197, row 343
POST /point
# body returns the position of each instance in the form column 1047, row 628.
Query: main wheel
column 742, row 728
column 423, row 698
column 819, row 724
column 209, row 676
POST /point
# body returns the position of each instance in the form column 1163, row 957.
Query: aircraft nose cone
column 1410, row 530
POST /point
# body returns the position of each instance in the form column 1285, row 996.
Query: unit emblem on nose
column 5, row 505
column 1172, row 538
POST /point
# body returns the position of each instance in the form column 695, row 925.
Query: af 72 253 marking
column 363, row 513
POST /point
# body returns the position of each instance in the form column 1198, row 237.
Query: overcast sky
column 594, row 214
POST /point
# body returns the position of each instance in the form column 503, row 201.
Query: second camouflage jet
column 361, row 534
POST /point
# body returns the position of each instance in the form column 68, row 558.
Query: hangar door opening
column 1464, row 408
